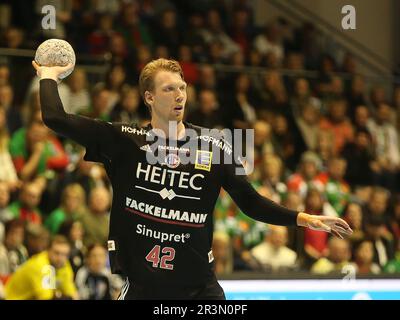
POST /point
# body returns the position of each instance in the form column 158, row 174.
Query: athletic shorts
column 210, row 291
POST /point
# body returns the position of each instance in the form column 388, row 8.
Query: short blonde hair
column 148, row 73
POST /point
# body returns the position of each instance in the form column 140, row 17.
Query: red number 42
column 168, row 255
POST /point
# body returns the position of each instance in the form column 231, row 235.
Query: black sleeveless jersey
column 161, row 222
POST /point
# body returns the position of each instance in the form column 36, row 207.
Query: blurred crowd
column 326, row 145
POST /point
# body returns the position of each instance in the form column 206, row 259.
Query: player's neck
column 174, row 130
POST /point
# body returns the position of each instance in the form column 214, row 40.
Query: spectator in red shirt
column 306, row 176
column 26, row 208
column 338, row 123
column 34, row 150
column 99, row 39
column 315, row 242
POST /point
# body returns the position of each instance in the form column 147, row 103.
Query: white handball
column 56, row 52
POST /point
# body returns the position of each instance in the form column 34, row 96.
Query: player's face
column 168, row 98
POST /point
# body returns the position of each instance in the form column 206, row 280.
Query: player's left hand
column 333, row 225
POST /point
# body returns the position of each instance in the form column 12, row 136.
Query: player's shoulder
column 212, row 139
column 131, row 128
column 205, row 132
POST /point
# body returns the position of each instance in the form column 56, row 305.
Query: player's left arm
column 265, row 210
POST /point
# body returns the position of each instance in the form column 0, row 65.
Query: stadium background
column 324, row 103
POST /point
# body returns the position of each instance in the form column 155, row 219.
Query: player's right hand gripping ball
column 56, row 52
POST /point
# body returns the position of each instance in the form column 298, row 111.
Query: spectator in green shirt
column 393, row 266
column 34, row 150
column 73, row 206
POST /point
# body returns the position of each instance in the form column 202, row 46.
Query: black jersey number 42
column 168, row 254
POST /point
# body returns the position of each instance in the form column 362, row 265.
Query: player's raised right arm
column 86, row 131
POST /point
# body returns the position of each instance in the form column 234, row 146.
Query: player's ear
column 148, row 97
